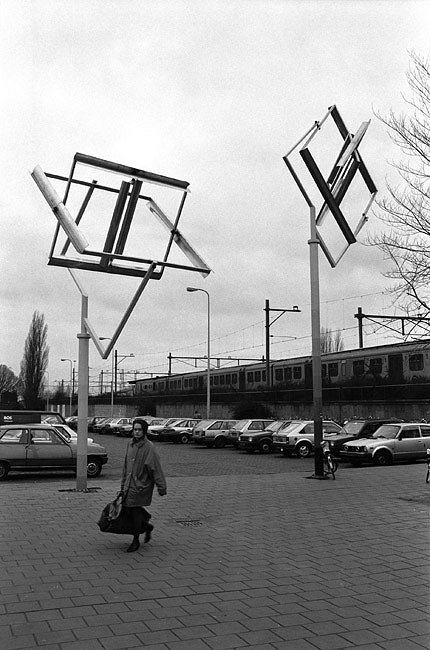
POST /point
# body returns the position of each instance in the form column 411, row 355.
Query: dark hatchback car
column 354, row 430
column 40, row 447
column 261, row 440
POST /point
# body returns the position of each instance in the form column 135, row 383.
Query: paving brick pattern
column 268, row 560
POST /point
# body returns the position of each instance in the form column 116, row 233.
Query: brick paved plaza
column 238, row 560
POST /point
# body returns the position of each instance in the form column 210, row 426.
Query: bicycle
column 330, row 464
column 428, row 466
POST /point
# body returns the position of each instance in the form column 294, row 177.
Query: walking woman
column 141, row 472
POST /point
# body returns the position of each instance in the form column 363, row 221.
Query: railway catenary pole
column 268, row 309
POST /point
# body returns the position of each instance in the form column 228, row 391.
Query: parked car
column 154, row 429
column 298, row 437
column 212, row 433
column 68, row 433
column 391, row 442
column 72, row 421
column 126, row 430
column 355, row 430
column 112, row 424
column 32, row 447
column 261, row 440
column 98, row 426
column 245, row 426
column 179, row 431
column 93, row 421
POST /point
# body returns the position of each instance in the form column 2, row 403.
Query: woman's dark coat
column 141, row 471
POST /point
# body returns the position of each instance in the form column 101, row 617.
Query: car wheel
column 304, row 449
column 185, row 439
column 382, row 458
column 265, row 447
column 219, row 442
column 4, row 471
column 94, row 468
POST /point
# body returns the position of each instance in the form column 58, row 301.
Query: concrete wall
column 338, row 411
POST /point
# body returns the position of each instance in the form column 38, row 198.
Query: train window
column 358, row 367
column 333, row 369
column 288, row 374
column 212, row 381
column 375, row 366
column 185, row 383
column 297, row 372
column 257, row 375
column 324, row 370
column 250, row 377
column 222, row 379
column 234, row 379
column 228, row 379
column 416, row 362
column 425, row 431
column 279, row 374
column 195, row 382
column 216, row 380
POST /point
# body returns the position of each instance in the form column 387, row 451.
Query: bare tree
column 331, row 341
column 406, row 209
column 8, row 379
column 35, row 362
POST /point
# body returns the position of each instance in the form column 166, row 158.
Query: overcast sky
column 214, row 93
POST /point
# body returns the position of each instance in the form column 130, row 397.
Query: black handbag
column 117, row 519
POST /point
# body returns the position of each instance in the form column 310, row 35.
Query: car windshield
column 293, row 426
column 51, row 419
column 172, row 421
column 65, row 430
column 204, row 424
column 388, row 431
column 352, row 427
column 241, row 424
column 278, row 425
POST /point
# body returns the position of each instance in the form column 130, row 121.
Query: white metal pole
column 84, row 338
column 316, row 345
column 208, row 378
column 112, row 385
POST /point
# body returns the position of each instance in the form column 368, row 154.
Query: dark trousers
column 139, row 518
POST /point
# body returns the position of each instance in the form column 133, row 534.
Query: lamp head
column 191, row 289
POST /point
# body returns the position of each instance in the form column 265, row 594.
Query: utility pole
column 268, row 309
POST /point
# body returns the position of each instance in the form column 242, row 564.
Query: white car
column 298, row 437
column 68, row 433
column 402, row 441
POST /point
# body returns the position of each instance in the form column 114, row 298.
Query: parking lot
column 246, row 553
column 195, row 460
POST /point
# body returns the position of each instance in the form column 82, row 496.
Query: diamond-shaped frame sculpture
column 112, row 259
column 334, row 189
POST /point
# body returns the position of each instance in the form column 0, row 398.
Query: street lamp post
column 115, row 362
column 208, row 376
column 71, row 383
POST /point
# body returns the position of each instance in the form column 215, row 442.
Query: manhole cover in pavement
column 189, row 522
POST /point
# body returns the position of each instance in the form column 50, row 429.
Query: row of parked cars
column 49, row 444
column 379, row 441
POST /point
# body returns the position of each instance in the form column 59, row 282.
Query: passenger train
column 393, row 364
